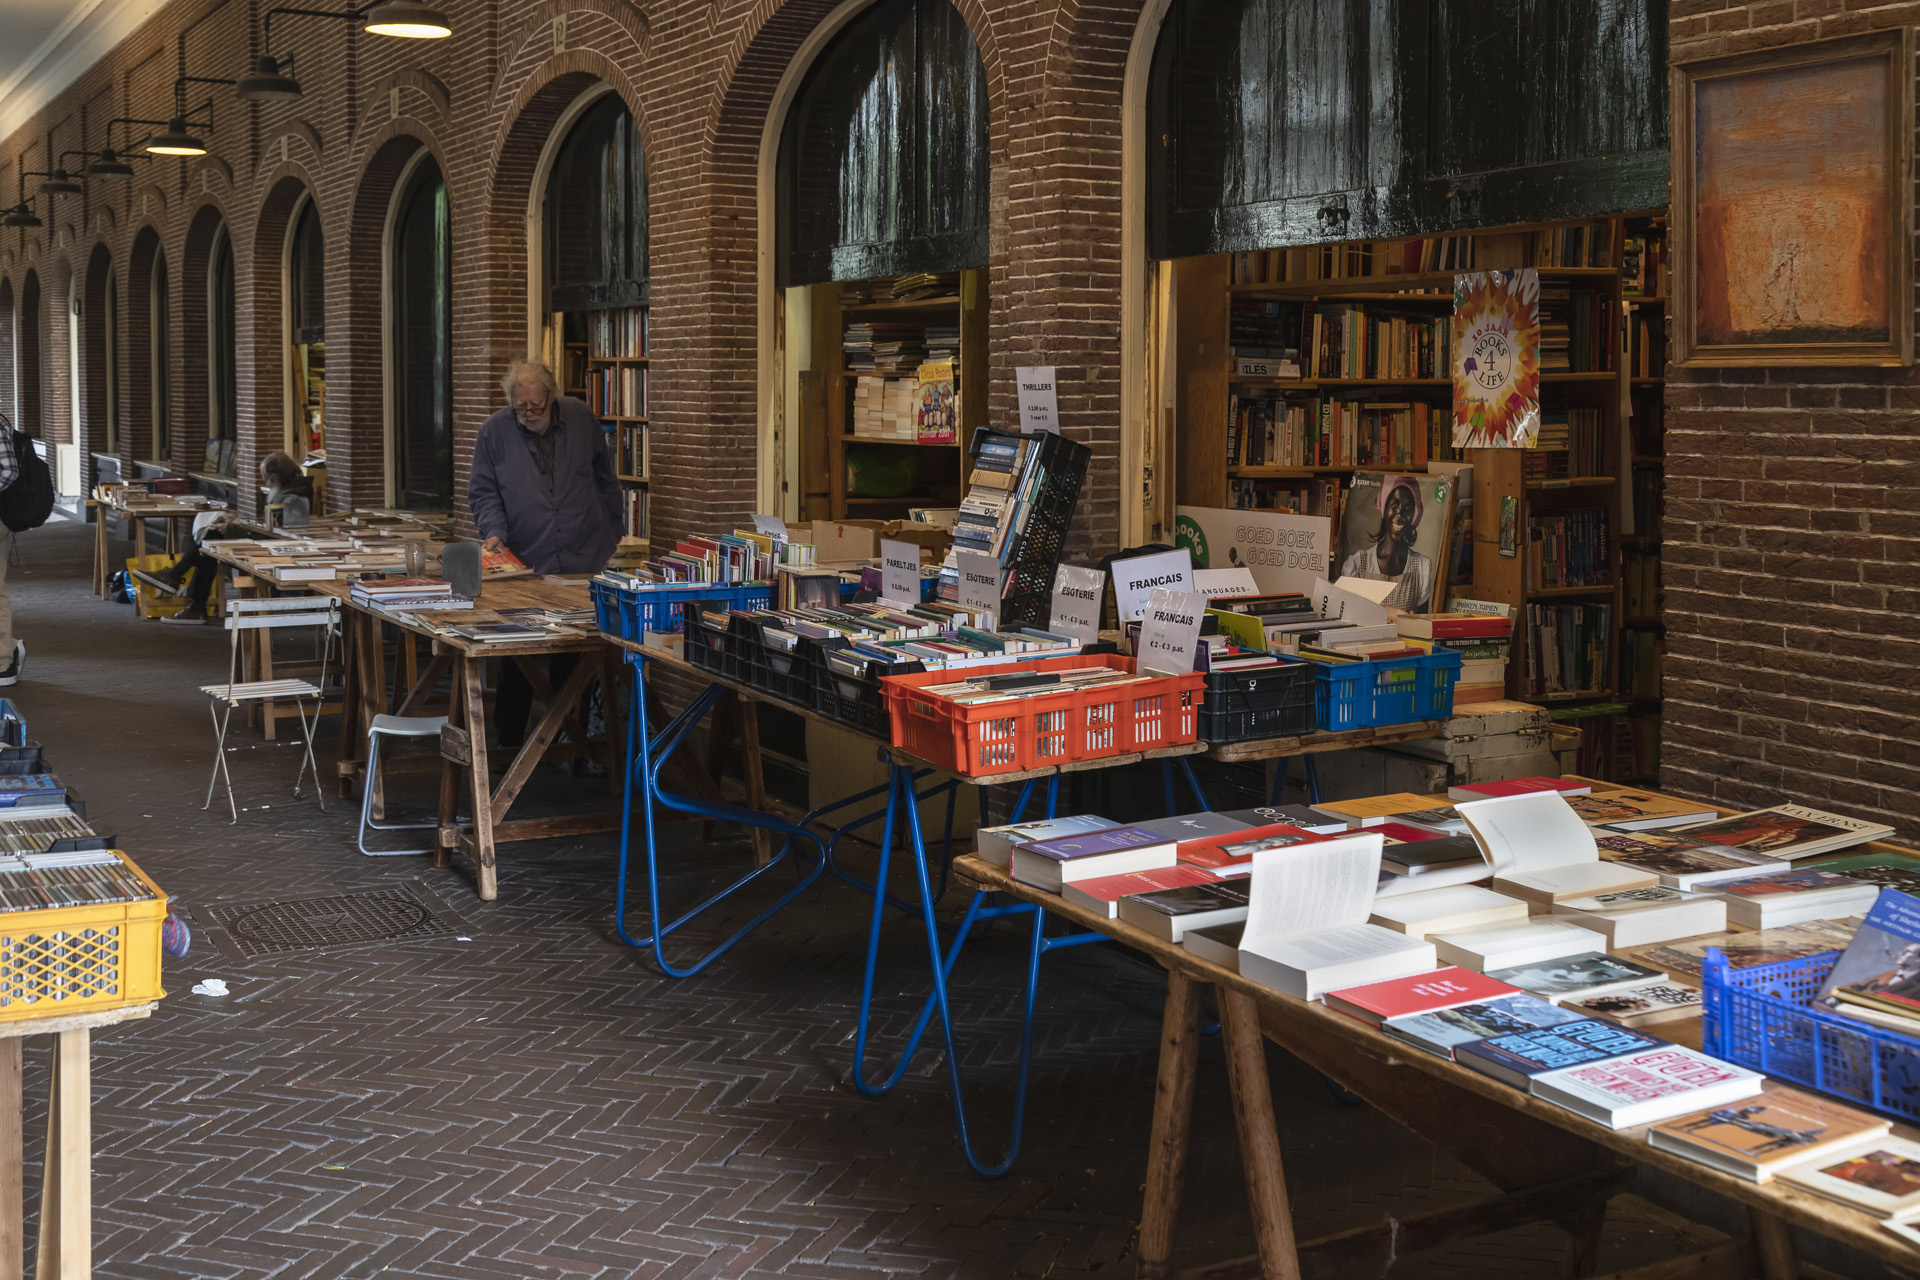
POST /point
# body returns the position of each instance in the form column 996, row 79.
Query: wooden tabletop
column 514, row 593
column 75, row 1021
column 1285, row 1016
column 1322, row 740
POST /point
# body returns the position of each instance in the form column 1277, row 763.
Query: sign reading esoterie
column 899, row 571
column 980, row 582
column 1170, row 631
column 1077, row 596
column 1135, row 579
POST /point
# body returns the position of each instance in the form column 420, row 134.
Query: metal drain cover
column 345, row 920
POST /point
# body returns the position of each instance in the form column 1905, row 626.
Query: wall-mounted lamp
column 272, row 77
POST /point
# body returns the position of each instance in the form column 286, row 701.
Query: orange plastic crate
column 1047, row 729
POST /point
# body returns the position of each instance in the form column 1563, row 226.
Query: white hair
column 524, row 370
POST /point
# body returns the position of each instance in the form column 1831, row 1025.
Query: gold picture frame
column 1793, row 205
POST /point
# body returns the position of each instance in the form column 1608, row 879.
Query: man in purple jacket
column 542, row 486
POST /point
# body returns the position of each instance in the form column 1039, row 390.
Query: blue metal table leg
column 1313, row 781
column 1193, row 781
column 645, row 760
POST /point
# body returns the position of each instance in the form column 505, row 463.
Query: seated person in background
column 289, row 504
column 541, row 486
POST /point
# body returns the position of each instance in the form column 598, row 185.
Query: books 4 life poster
column 1496, row 359
column 1284, row 552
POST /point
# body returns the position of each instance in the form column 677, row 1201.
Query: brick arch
column 95, row 396
column 7, row 368
column 263, row 397
column 192, row 386
column 356, row 417
column 138, row 441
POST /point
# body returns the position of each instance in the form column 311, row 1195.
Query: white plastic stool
column 391, row 727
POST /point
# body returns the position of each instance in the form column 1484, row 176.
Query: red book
column 1421, row 993
column 1103, row 893
column 1516, row 787
column 495, row 565
column 1236, row 848
column 1403, row 833
column 1452, row 626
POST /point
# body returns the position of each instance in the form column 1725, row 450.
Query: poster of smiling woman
column 1496, row 359
column 1394, row 529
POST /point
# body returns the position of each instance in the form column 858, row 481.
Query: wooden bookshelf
column 1597, row 261
column 828, row 394
column 614, row 375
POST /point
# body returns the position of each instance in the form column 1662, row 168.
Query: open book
column 1543, row 852
column 1306, row 929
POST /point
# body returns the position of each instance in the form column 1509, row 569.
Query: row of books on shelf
column 1338, row 340
column 1642, row 656
column 1569, row 650
column 1571, row 443
column 633, row 450
column 618, row 391
column 1315, row 496
column 1646, row 343
column 1376, row 906
column 906, row 288
column 1642, row 574
column 745, row 555
column 634, row 507
column 896, row 348
column 1643, row 265
column 1577, row 328
column 617, row 335
column 1576, row 245
column 924, row 409
column 1278, row 428
column 1648, row 496
column 1572, row 548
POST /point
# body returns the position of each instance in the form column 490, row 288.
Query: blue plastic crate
column 1361, row 695
column 1760, row 1017
column 631, row 613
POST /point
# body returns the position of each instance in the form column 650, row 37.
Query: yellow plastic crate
column 67, row 960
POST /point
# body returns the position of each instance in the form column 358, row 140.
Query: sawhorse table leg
column 66, row 1196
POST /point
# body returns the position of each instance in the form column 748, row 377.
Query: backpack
column 28, row 501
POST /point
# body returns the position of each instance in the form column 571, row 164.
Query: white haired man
column 542, row 486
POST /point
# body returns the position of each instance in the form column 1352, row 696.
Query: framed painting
column 1793, row 205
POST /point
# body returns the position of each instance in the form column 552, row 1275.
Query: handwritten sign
column 1039, row 410
column 1134, row 579
column 1077, row 595
column 1170, row 631
column 981, row 579
column 899, row 571
column 1225, row 584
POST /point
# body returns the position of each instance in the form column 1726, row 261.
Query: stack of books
column 38, row 881
column 1484, row 642
column 407, row 595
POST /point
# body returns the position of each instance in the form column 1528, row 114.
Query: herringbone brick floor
column 537, row 1101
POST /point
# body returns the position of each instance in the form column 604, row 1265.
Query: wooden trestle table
column 137, row 513
column 463, row 741
column 1548, row 1163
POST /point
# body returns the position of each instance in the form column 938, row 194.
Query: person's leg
column 512, row 701
column 204, row 571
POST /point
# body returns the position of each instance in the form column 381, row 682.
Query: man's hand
column 492, row 544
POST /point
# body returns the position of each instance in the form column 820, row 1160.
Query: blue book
column 995, row 844
column 1518, row 1058
column 1442, row 1031
column 1117, row 851
column 30, row 789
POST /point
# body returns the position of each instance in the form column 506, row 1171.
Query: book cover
column 1194, row 898
column 1788, row 831
column 1638, row 810
column 1522, row 1055
column 1889, row 870
column 1584, row 974
column 1103, row 893
column 1629, row 900
column 1881, row 965
column 1645, row 1084
column 1638, row 1006
column 500, row 564
column 1416, row 857
column 1305, row 817
column 1879, row 1175
column 1742, row 950
column 1517, row 787
column 1422, row 993
column 1443, row 1030
column 1368, row 810
column 1092, row 843
column 1787, row 884
column 1404, row 833
column 1679, row 860
column 995, row 844
column 1236, row 848
column 1194, row 826
column 1755, row 1139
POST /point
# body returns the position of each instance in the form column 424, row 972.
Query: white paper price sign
column 1170, row 631
column 1134, row 579
column 981, row 580
column 1077, row 595
column 899, row 571
column 1039, row 409
column 772, row 526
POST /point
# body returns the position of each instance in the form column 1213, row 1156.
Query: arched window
column 9, row 354
column 883, row 158
column 223, row 390
column 306, row 294
column 419, row 307
column 28, row 343
column 596, row 213
column 160, row 357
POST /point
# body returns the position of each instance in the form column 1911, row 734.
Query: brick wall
column 1792, row 557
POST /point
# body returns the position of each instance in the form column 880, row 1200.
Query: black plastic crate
column 1033, row 557
column 785, row 674
column 710, row 648
column 1264, row 702
column 855, row 701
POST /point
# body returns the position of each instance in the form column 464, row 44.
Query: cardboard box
column 844, row 542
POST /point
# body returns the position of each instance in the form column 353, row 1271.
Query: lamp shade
column 409, row 19
column 60, row 185
column 176, row 141
column 20, row 216
column 266, row 84
column 107, row 165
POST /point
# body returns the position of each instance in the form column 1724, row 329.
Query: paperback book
column 1422, row 993
column 1638, row 810
column 1517, row 1058
column 1541, row 851
column 1306, row 928
column 1048, row 864
column 1778, row 1129
column 1587, row 974
column 1881, row 966
column 1880, row 1176
column 1686, row 959
column 1171, row 913
column 1646, row 1085
column 995, row 844
column 1680, row 861
column 1789, row 831
column 1641, row 1006
column 1441, row 1031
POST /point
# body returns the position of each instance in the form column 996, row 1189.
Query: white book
column 1876, row 1175
column 1540, row 850
column 1642, row 917
column 1393, row 885
column 1653, row 1084
column 1504, row 946
column 1447, row 909
column 995, row 844
column 1306, row 930
column 1788, row 831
